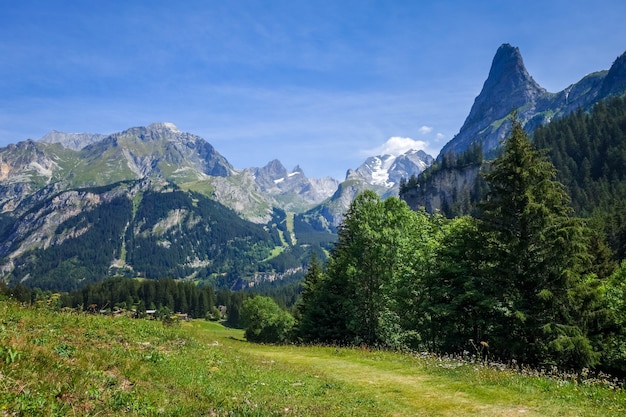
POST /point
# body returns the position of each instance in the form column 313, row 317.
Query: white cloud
column 396, row 146
column 440, row 136
column 424, row 130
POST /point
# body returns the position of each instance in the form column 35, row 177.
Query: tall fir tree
column 536, row 252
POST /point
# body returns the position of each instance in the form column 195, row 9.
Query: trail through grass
column 58, row 364
column 412, row 386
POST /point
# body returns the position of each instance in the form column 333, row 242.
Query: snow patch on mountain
column 387, row 170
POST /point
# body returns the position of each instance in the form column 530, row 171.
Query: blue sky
column 318, row 83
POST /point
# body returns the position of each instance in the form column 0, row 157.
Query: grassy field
column 74, row 364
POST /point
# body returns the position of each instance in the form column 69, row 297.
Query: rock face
column 153, row 149
column 445, row 188
column 74, row 141
column 293, row 188
column 509, row 87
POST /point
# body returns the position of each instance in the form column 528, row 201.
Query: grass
column 54, row 364
column 290, row 227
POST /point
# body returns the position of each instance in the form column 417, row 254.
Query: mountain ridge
column 509, row 87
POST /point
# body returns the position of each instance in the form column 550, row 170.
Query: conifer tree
column 536, row 252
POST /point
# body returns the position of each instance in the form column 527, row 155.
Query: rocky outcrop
column 509, row 88
column 444, row 188
column 74, row 141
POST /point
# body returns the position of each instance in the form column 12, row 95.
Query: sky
column 322, row 84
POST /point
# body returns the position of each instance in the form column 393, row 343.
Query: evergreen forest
column 523, row 281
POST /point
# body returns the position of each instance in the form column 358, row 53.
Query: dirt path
column 410, row 391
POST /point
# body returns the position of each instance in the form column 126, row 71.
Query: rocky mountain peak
column 387, row 170
column 74, row 141
column 508, row 68
column 615, row 81
column 508, row 87
column 159, row 126
column 274, row 169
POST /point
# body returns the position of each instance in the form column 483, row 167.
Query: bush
column 264, row 321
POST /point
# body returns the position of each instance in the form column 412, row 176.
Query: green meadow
column 76, row 364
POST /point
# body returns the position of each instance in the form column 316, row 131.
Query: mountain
column 74, row 141
column 381, row 174
column 293, row 190
column 509, row 87
column 149, row 201
column 159, row 150
column 389, row 170
column 148, row 228
column 454, row 177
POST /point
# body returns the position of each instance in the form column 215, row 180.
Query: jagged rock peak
column 275, row 169
column 75, row 141
column 508, row 87
column 508, row 73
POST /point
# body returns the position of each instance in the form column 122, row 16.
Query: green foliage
column 525, row 281
column 371, row 284
column 614, row 340
column 124, row 366
column 9, row 355
column 537, row 253
column 176, row 296
column 264, row 321
column 589, row 150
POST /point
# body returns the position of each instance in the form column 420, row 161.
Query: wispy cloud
column 395, row 146
column 424, row 130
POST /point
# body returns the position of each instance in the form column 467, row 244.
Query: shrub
column 264, row 321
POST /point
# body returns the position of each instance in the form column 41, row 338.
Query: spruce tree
column 535, row 251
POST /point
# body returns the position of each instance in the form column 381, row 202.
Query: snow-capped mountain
column 388, row 170
column 381, row 174
column 293, row 189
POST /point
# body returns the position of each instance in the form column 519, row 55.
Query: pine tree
column 308, row 307
column 536, row 251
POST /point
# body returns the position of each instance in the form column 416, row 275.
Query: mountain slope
column 509, row 87
column 381, row 174
column 138, row 228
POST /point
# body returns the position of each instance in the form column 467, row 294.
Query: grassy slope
column 74, row 364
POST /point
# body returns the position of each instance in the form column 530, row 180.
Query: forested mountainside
column 524, row 281
column 144, row 228
column 588, row 150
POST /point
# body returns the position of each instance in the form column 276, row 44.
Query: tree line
column 524, row 280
